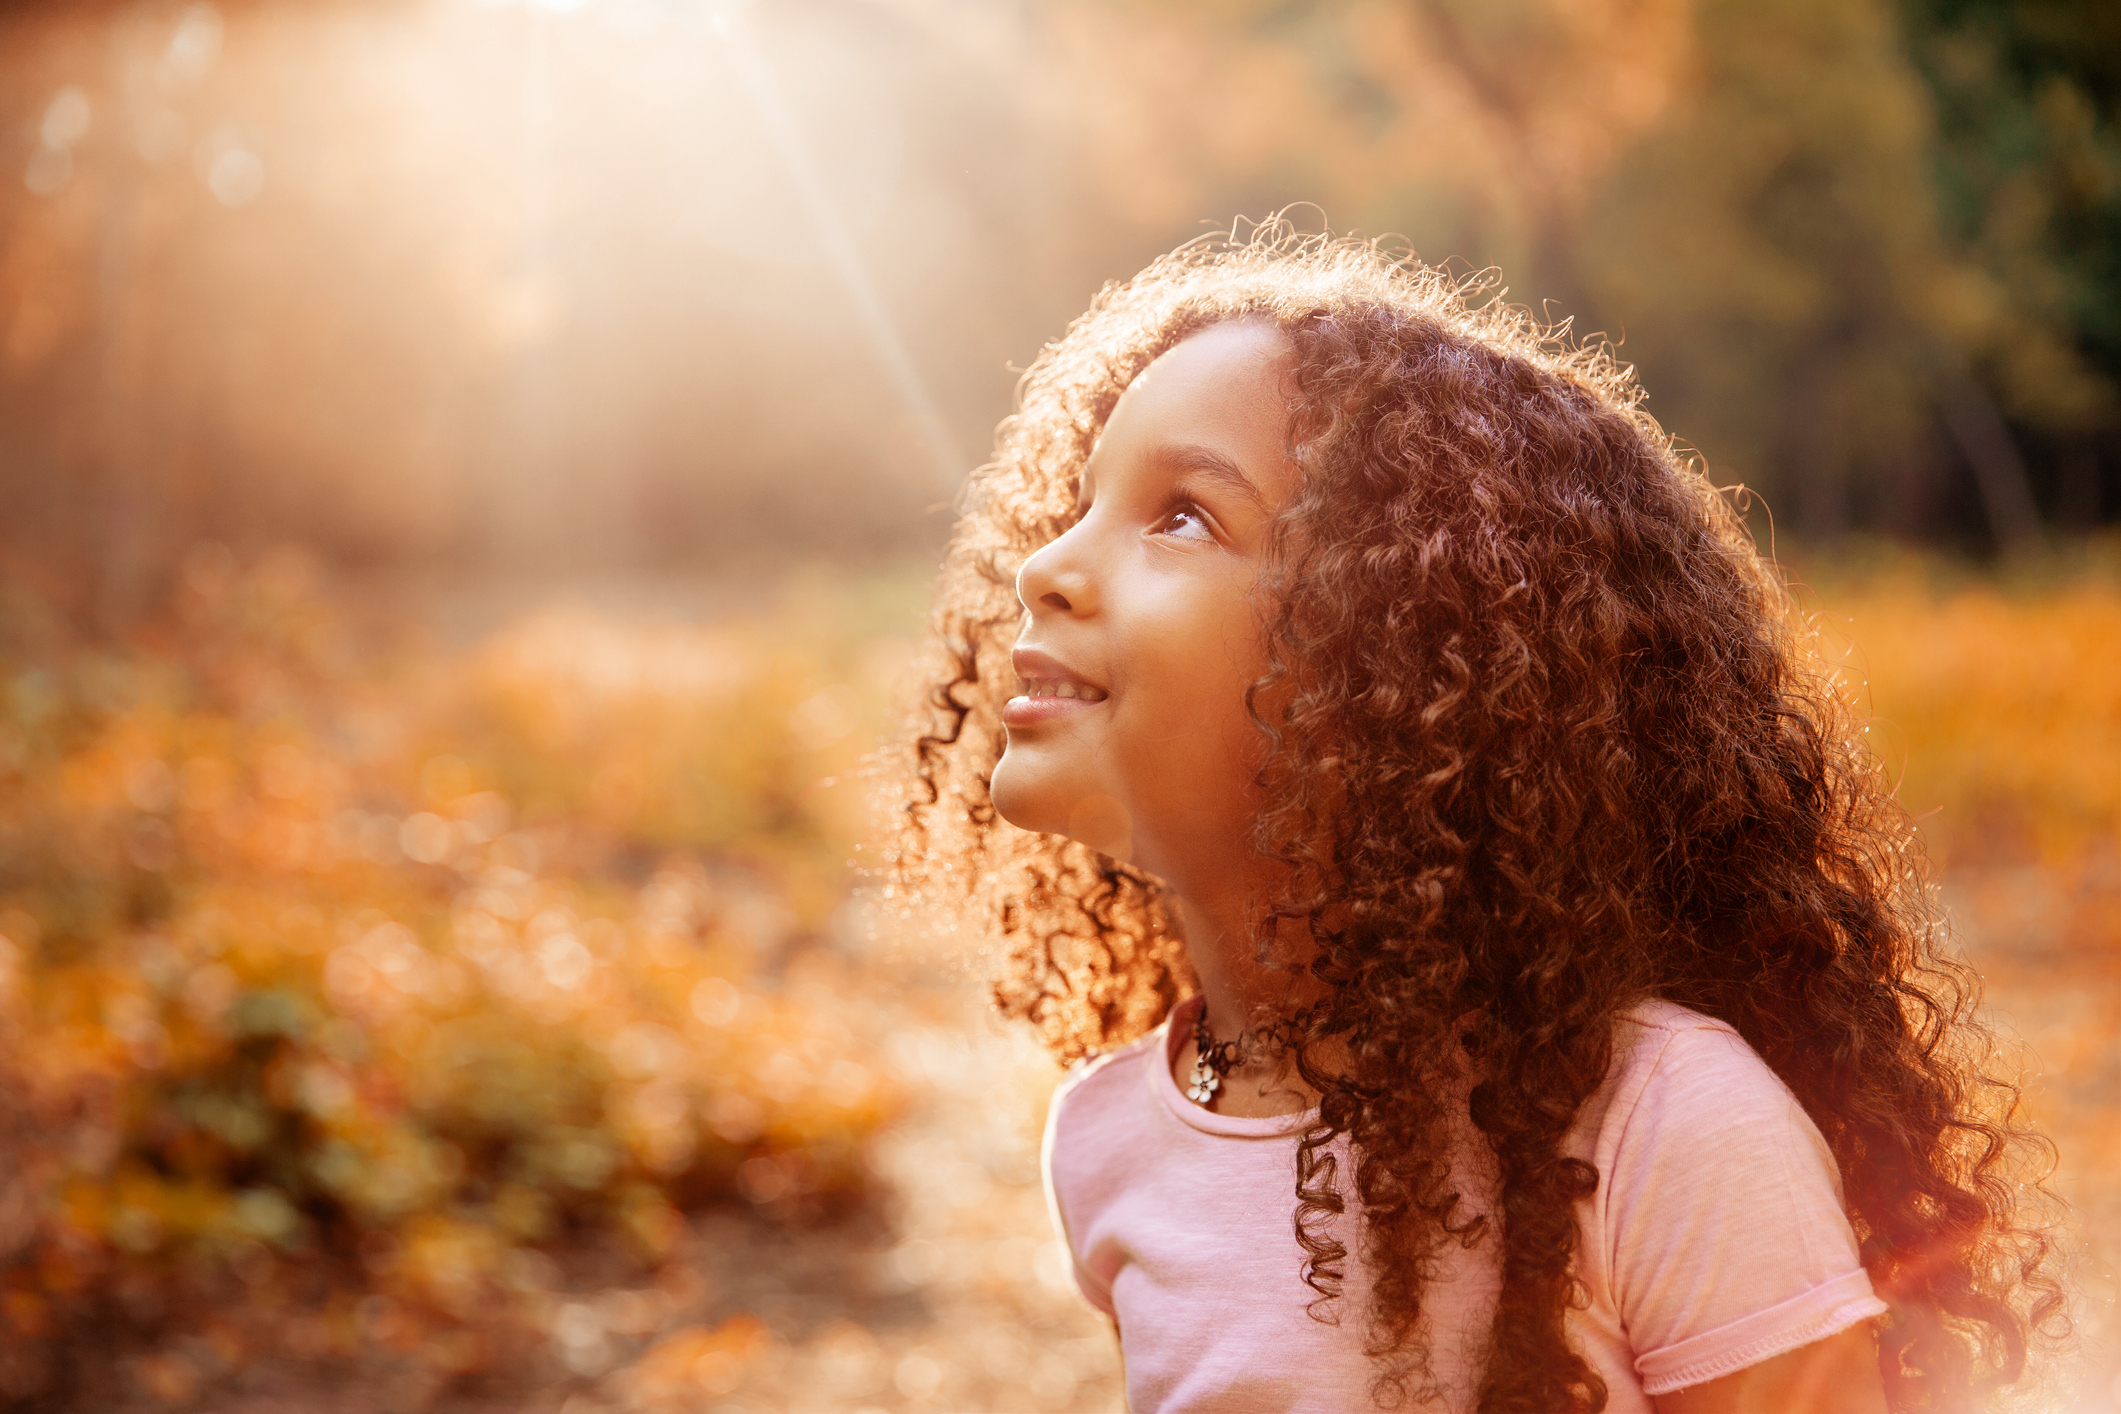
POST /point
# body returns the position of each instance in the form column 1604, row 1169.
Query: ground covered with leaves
column 396, row 1020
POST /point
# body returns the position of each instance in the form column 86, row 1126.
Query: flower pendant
column 1205, row 1083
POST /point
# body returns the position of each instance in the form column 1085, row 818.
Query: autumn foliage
column 332, row 970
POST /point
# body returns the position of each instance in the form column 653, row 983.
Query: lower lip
column 1033, row 711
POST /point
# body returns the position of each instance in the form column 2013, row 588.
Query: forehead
column 1227, row 386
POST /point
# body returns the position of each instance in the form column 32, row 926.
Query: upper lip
column 1035, row 665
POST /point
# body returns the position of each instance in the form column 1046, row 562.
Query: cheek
column 1193, row 749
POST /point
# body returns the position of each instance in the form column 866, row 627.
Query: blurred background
column 469, row 471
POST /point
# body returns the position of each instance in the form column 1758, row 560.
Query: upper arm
column 1837, row 1375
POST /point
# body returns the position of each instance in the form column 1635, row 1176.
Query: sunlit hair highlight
column 1547, row 738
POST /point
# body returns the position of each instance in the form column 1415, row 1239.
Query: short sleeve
column 1728, row 1243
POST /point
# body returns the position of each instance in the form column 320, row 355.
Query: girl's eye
column 1185, row 522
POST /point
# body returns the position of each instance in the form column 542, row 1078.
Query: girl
column 1508, row 983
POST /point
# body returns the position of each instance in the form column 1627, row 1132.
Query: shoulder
column 1687, row 1096
column 1679, row 1066
column 1691, row 1117
column 1657, row 1022
column 1103, row 1067
column 1102, row 1081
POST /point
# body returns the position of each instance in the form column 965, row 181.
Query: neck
column 1241, row 993
column 1219, row 890
column 1237, row 986
column 1218, row 882
column 1216, row 891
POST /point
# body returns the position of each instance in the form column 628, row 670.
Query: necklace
column 1212, row 1060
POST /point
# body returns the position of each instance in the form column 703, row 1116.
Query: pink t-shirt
column 1715, row 1240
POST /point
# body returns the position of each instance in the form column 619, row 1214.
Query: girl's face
column 1130, row 732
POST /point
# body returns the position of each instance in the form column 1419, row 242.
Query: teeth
column 1053, row 687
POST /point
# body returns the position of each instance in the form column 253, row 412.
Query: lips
column 1052, row 691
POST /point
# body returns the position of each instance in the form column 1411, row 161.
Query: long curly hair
column 1544, row 736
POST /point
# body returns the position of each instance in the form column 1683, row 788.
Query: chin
column 1019, row 800
column 1082, row 811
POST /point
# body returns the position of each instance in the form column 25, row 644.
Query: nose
column 1055, row 579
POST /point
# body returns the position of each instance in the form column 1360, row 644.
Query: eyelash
column 1185, row 508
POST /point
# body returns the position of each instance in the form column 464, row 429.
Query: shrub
column 386, row 968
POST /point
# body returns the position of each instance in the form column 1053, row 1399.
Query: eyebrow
column 1215, row 468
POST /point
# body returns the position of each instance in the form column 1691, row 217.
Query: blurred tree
column 1746, row 196
column 2027, row 171
column 1774, row 252
column 1772, row 258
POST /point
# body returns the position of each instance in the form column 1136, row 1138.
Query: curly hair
column 1545, row 736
